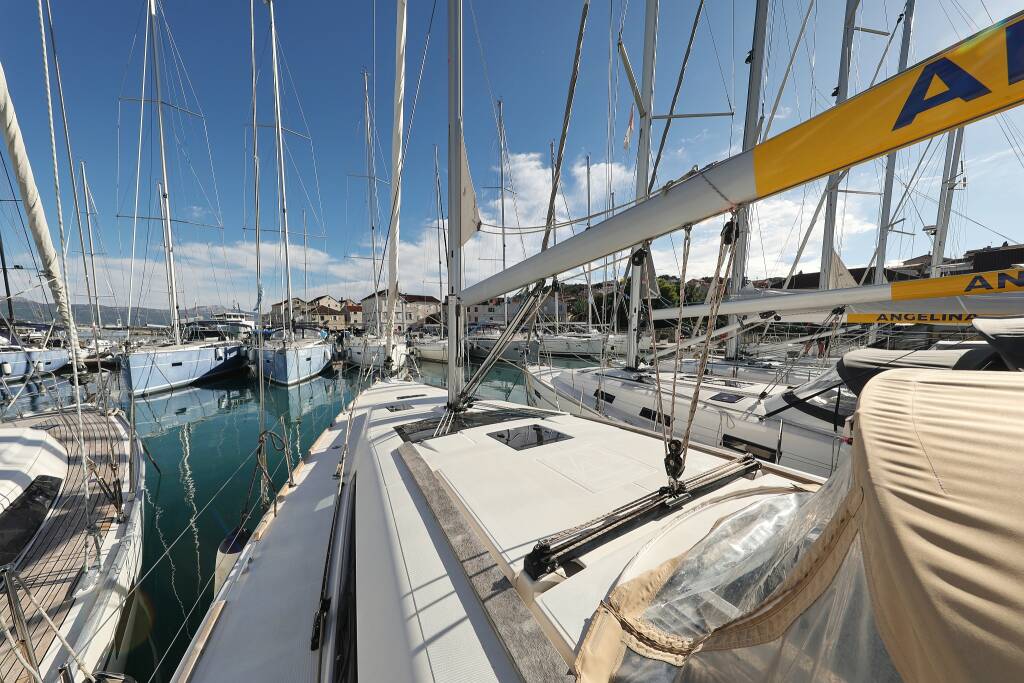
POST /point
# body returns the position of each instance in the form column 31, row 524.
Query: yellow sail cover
column 973, row 79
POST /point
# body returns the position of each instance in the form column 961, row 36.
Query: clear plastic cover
column 834, row 640
column 741, row 562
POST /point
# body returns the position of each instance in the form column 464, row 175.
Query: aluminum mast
column 832, row 201
column 396, row 174
column 455, row 182
column 954, row 144
column 751, row 129
column 890, row 161
column 643, row 161
column 165, row 204
column 281, row 185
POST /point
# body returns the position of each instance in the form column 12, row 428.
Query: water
column 203, row 440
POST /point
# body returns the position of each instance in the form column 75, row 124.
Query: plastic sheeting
column 907, row 565
column 834, row 640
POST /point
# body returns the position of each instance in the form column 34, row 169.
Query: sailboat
column 179, row 361
column 71, row 506
column 384, row 350
column 294, row 353
column 481, row 540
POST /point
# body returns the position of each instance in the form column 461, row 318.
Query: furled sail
column 36, row 217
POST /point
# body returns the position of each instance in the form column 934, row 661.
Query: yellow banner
column 911, row 318
column 992, row 282
column 979, row 76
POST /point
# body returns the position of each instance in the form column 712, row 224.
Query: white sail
column 470, row 208
column 36, row 216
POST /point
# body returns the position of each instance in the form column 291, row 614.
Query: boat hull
column 150, row 371
column 435, row 352
column 373, row 354
column 291, row 364
column 21, row 362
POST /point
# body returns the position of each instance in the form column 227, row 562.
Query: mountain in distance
column 30, row 311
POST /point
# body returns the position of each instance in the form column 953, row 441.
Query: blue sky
column 520, row 52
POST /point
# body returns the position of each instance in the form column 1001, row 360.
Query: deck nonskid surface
column 53, row 563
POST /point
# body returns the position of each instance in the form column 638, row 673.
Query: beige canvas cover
column 938, row 455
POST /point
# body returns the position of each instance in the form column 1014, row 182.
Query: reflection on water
column 203, row 439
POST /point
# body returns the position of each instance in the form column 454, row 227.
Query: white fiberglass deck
column 417, row 616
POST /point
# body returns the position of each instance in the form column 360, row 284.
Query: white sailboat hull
column 806, row 445
column 156, row 369
column 435, row 351
column 289, row 364
column 43, row 360
column 371, row 352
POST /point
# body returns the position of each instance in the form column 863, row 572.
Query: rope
column 17, row 653
column 679, row 325
column 645, row 274
column 716, row 294
column 557, row 170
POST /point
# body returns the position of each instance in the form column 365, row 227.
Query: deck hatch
column 604, row 396
column 726, row 397
column 398, row 407
column 530, row 436
column 421, row 430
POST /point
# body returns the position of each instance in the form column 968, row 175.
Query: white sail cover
column 906, row 565
column 36, row 217
column 470, row 209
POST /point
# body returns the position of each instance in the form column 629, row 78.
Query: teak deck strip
column 53, row 562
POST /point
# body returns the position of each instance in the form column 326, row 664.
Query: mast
column 305, row 263
column 371, row 200
column 890, row 161
column 51, row 270
column 643, row 161
column 397, row 124
column 590, row 290
column 165, row 205
column 92, row 249
column 954, row 144
column 501, row 193
column 554, row 235
column 7, row 288
column 281, row 185
column 440, row 276
column 455, row 182
column 832, row 200
column 256, row 217
column 751, row 128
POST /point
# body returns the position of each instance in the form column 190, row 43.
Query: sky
column 518, row 52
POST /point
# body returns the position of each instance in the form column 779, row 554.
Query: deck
column 53, row 563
